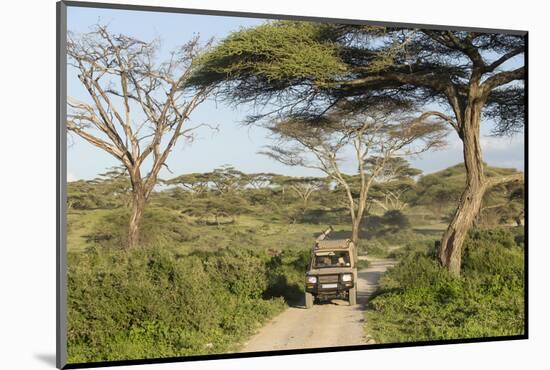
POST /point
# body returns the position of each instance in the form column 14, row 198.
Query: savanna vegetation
column 419, row 301
column 214, row 265
column 194, row 263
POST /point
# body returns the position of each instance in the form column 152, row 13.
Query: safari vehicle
column 331, row 271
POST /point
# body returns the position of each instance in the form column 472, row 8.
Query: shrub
column 419, row 301
column 159, row 226
column 325, row 216
column 372, row 247
column 241, row 272
column 362, row 264
column 422, row 245
column 391, row 222
column 396, row 219
column 154, row 302
column 286, row 274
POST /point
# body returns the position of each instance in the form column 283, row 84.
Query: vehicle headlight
column 347, row 277
column 312, row 279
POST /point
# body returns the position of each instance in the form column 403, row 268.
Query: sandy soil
column 327, row 324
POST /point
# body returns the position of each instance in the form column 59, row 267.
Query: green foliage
column 110, row 190
column 286, row 275
column 419, row 245
column 303, row 60
column 420, row 301
column 362, row 264
column 391, row 224
column 326, row 216
column 155, row 302
column 242, row 272
column 396, row 220
column 273, row 52
column 373, row 247
column 159, row 226
column 440, row 190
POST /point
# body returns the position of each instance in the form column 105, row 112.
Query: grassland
column 248, row 232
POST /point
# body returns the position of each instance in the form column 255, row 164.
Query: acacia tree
column 373, row 139
column 395, row 180
column 303, row 187
column 197, row 183
column 457, row 76
column 136, row 107
column 227, row 179
column 114, row 184
column 259, row 180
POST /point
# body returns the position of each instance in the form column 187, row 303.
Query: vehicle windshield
column 331, row 259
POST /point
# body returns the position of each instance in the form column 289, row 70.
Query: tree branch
column 491, row 182
column 491, row 67
column 500, row 79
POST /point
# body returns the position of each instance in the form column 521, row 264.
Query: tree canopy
column 310, row 66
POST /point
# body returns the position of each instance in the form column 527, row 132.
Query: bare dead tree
column 373, row 137
column 137, row 108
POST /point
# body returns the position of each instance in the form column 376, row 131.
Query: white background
column 27, row 182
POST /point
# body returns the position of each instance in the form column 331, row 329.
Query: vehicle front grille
column 328, row 278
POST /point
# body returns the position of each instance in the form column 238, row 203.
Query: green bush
column 390, row 223
column 373, row 247
column 159, row 226
column 154, row 302
column 286, row 274
column 362, row 264
column 424, row 245
column 241, row 272
column 325, row 216
column 407, row 239
column 419, row 301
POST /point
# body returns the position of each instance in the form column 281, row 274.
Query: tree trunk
column 450, row 252
column 355, row 231
column 356, row 223
column 138, row 205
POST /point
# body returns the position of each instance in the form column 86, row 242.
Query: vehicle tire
column 309, row 300
column 352, row 296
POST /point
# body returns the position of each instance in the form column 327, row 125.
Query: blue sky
column 232, row 144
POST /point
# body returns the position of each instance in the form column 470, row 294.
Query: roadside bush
column 285, row 273
column 419, row 301
column 241, row 272
column 154, row 302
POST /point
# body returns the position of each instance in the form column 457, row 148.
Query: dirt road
column 325, row 325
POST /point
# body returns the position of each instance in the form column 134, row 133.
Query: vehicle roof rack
column 332, row 244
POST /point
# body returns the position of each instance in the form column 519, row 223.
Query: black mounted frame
column 61, row 187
